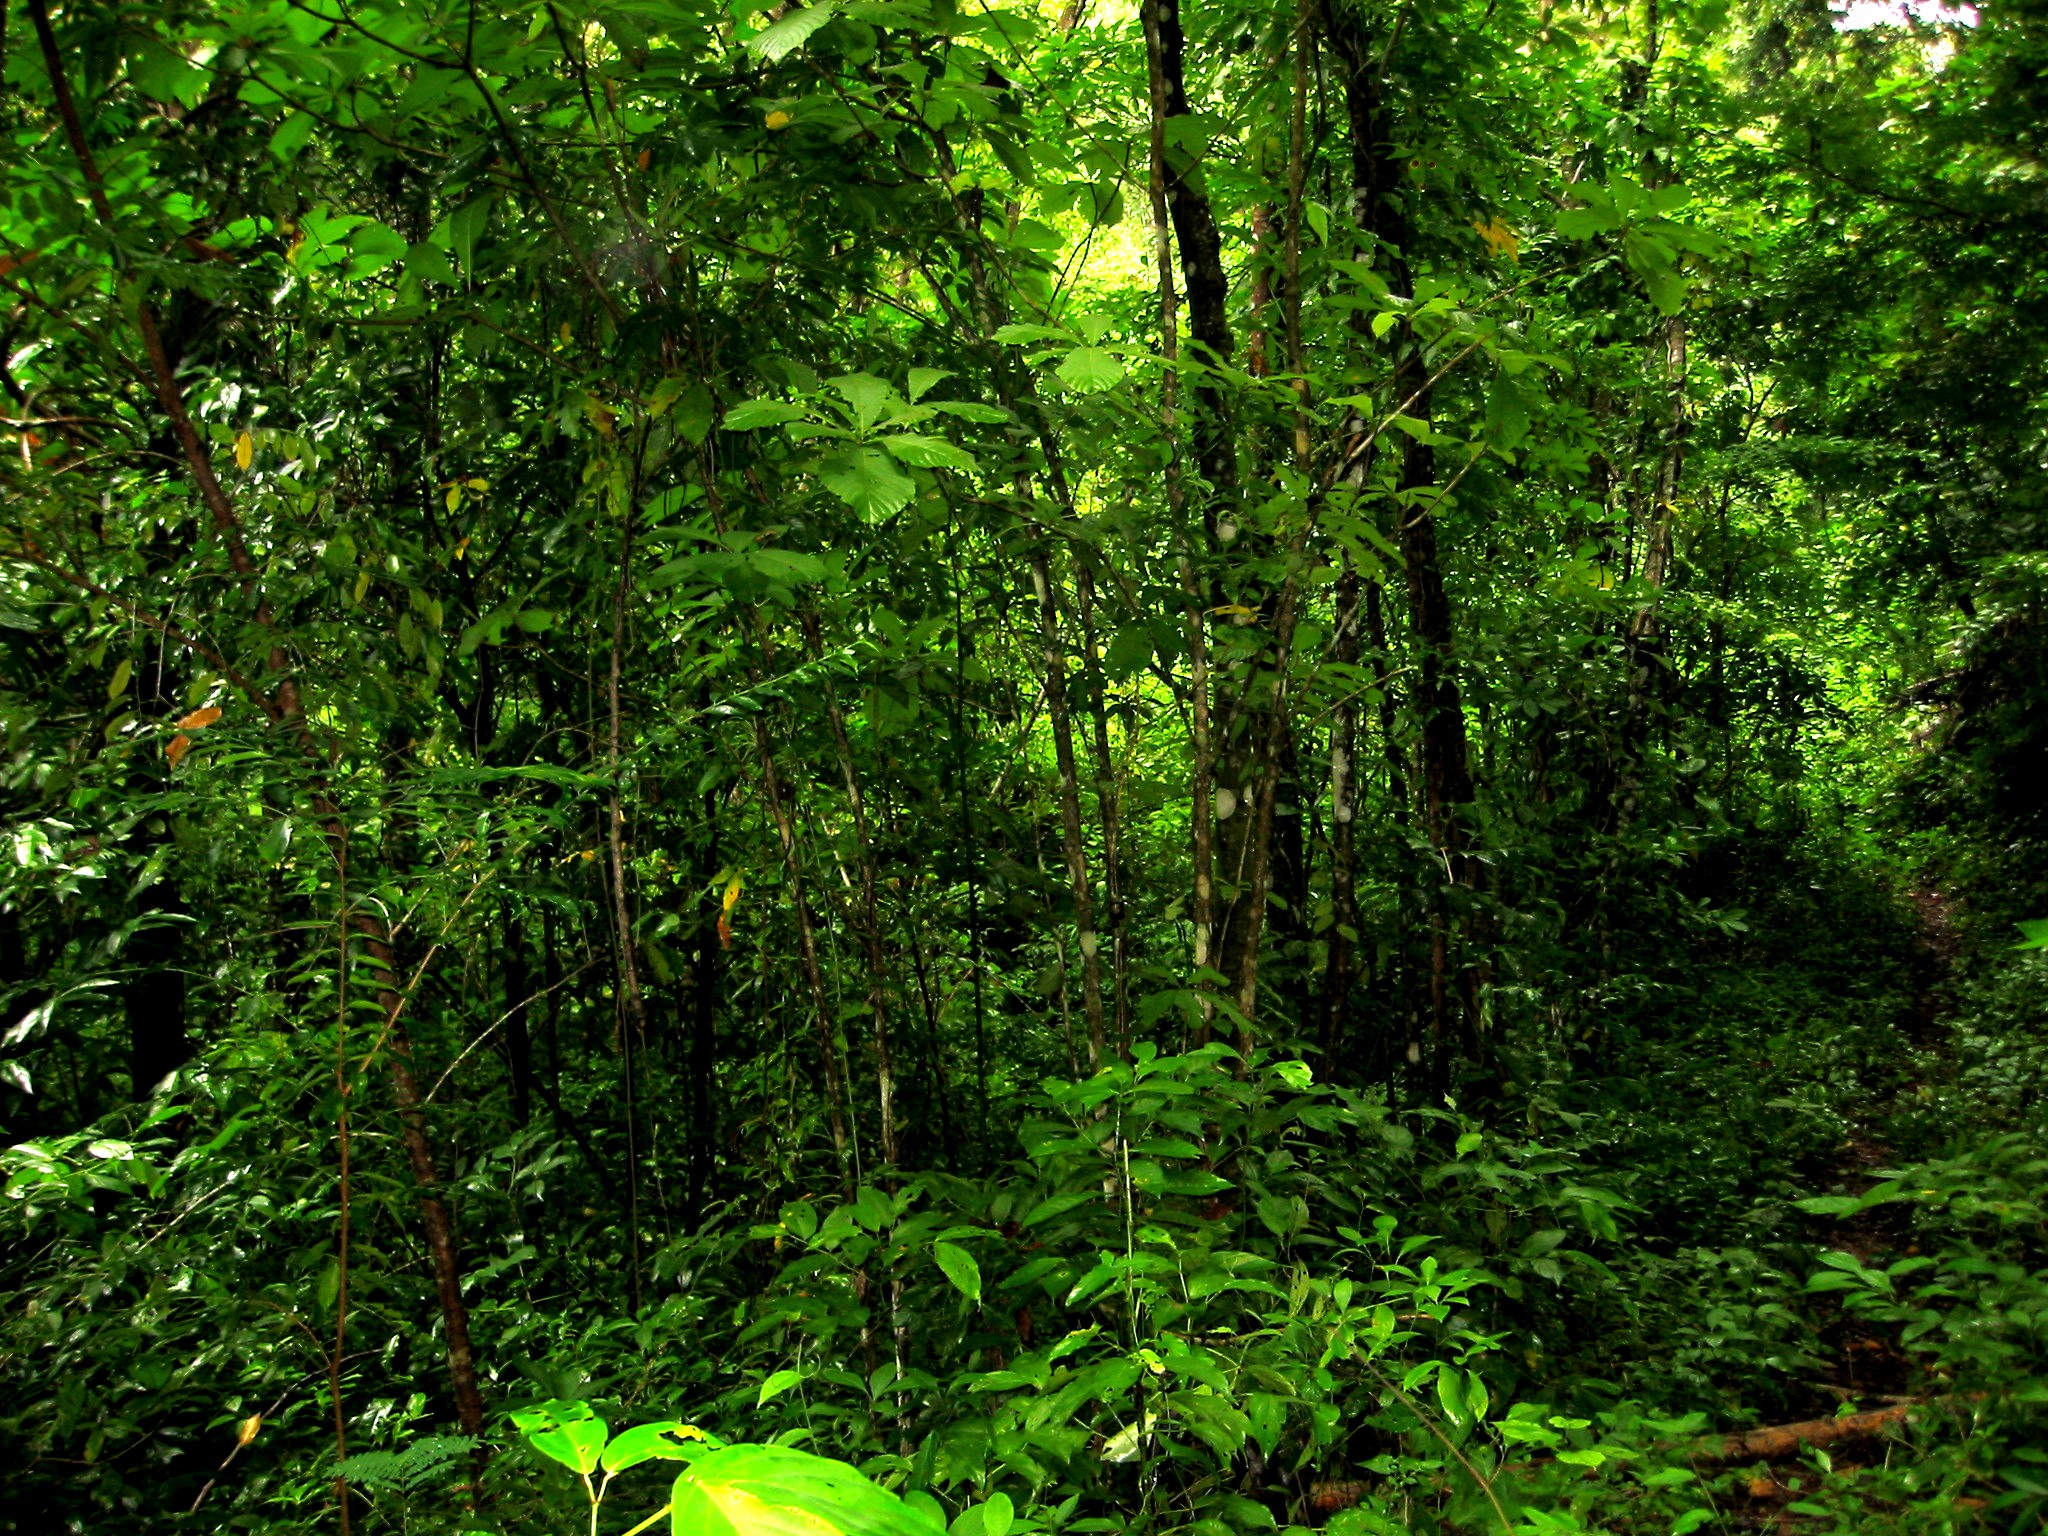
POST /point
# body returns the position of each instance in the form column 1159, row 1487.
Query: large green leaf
column 567, row 1432
column 790, row 33
column 928, row 452
column 651, row 1442
column 960, row 1268
column 868, row 481
column 772, row 1490
column 1090, row 368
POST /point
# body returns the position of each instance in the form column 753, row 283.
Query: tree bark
column 1380, row 209
column 1206, row 283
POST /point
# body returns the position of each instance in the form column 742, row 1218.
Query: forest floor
column 1883, row 1454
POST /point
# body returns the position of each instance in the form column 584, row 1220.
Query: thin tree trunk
column 1161, row 183
column 634, row 1037
column 281, row 704
column 1108, row 810
column 700, row 1048
column 518, row 1027
column 824, row 1025
column 1660, row 536
column 1086, row 937
column 1341, row 964
column 440, row 1227
column 1279, row 735
column 870, row 906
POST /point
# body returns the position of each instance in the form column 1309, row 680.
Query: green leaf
column 275, row 841
column 1090, row 368
column 960, row 1268
column 1056, row 1205
column 2033, row 934
column 1267, row 1413
column 566, row 1432
column 1129, row 653
column 1666, row 288
column 997, row 1514
column 1282, row 1215
column 773, row 1490
column 430, row 263
column 668, row 1441
column 1475, row 1397
column 868, row 481
column 928, row 452
column 290, row 136
column 1450, row 1397
column 1019, row 334
column 1584, row 223
column 790, row 33
column 869, row 397
column 1830, row 1205
column 968, row 410
column 118, row 683
column 749, row 414
column 465, row 227
column 776, row 1385
column 922, row 379
column 372, row 247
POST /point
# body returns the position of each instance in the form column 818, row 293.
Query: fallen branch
column 1781, row 1442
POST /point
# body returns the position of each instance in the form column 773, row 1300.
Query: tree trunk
column 518, row 1011
column 1381, row 209
column 1087, row 938
column 870, row 906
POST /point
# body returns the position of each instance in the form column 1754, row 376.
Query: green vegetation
column 1016, row 768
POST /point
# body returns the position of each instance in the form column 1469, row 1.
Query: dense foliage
column 1166, row 767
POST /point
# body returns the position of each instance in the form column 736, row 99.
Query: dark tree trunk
column 1381, row 208
column 518, row 1033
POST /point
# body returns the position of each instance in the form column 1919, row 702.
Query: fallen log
column 1780, row 1442
column 1777, row 1442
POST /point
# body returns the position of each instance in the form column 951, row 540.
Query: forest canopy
column 1024, row 766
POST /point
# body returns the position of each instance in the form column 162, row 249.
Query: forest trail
column 1871, row 1375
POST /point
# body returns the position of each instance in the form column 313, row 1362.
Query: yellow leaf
column 200, row 718
column 478, row 485
column 462, row 548
column 118, row 683
column 454, row 497
column 779, row 119
column 362, row 583
column 180, row 744
column 249, row 1427
column 732, row 896
column 1500, row 237
column 245, row 450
